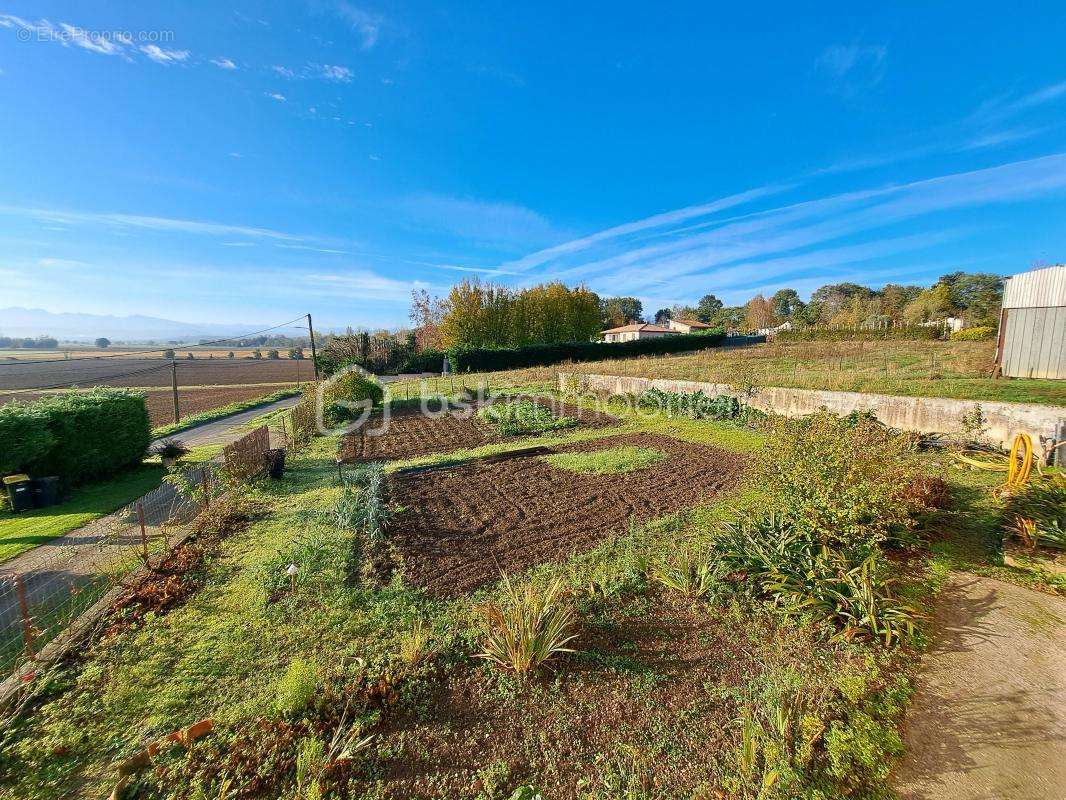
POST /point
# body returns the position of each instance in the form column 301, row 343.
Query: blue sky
column 249, row 162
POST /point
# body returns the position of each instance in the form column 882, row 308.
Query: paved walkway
column 988, row 721
column 231, row 428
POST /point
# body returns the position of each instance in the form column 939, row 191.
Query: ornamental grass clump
column 528, row 627
column 689, row 572
column 844, row 585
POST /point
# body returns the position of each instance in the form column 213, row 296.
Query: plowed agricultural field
column 191, row 400
column 203, row 384
column 412, row 434
column 152, row 372
column 462, row 526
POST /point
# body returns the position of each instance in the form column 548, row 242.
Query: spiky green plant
column 689, row 573
column 843, row 585
column 530, row 626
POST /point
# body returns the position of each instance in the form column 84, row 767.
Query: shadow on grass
column 22, row 531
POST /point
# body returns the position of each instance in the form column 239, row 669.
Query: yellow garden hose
column 1018, row 465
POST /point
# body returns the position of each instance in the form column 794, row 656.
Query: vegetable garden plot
column 462, row 526
column 411, row 434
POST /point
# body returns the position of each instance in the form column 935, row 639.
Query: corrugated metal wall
column 1038, row 288
column 1034, row 343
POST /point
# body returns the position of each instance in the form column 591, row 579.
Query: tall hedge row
column 484, row 359
column 76, row 436
column 858, row 334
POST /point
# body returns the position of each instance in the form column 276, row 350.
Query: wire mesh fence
column 43, row 590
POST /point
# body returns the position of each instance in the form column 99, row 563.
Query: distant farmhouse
column 1032, row 325
column 646, row 330
column 637, row 330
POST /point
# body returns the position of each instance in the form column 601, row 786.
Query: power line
column 147, row 352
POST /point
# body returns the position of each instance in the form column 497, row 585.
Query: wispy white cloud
column 332, row 72
column 497, row 223
column 106, row 43
column 366, row 24
column 360, row 283
column 276, row 96
column 62, row 262
column 223, row 63
column 850, row 69
column 161, row 224
column 648, row 255
column 284, row 72
column 329, row 250
column 658, row 221
column 162, row 56
column 1003, row 107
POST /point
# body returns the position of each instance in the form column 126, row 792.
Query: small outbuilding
column 687, row 325
column 1032, row 325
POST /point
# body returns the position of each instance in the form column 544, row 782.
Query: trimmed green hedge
column 979, row 334
column 484, row 359
column 428, row 360
column 77, row 436
column 857, row 334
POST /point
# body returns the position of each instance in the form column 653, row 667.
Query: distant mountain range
column 23, row 322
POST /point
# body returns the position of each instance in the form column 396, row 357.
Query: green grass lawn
column 960, row 370
column 610, row 461
column 20, row 532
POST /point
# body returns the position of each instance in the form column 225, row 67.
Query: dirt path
column 988, row 721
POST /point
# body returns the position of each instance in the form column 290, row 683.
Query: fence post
column 24, row 610
column 205, row 484
column 144, row 532
column 174, row 389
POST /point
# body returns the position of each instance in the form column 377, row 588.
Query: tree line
column 477, row 314
column 972, row 297
column 28, row 343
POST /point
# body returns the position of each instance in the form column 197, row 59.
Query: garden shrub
column 694, row 405
column 353, row 388
column 77, row 436
column 978, row 334
column 484, row 359
column 843, row 480
column 858, row 334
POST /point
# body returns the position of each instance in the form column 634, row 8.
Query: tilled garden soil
column 462, row 526
column 411, row 434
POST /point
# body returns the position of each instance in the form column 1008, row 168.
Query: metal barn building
column 1032, row 325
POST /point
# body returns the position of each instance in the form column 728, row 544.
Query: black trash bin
column 19, row 492
column 46, row 491
column 275, row 459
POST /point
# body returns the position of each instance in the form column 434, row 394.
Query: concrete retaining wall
column 922, row 414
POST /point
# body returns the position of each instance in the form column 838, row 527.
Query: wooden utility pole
column 174, row 389
column 314, row 354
